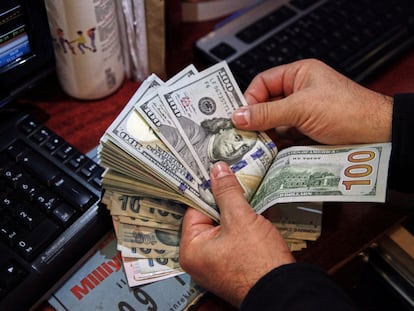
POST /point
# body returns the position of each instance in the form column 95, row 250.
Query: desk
column 347, row 228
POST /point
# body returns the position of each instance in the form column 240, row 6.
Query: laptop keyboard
column 49, row 210
column 355, row 37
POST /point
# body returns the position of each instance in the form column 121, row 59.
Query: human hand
column 229, row 258
column 312, row 98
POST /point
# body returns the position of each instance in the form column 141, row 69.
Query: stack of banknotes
column 159, row 150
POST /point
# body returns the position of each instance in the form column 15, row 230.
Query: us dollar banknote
column 201, row 109
column 158, row 117
column 325, row 173
column 134, row 136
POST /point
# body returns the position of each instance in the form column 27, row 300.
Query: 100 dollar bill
column 325, row 173
column 133, row 135
column 201, row 109
column 158, row 117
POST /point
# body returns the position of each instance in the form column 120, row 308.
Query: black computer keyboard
column 50, row 215
column 355, row 37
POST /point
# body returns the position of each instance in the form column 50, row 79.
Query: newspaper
column 100, row 284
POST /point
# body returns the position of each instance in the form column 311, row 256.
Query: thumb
column 266, row 115
column 229, row 195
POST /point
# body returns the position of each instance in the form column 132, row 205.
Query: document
column 100, row 284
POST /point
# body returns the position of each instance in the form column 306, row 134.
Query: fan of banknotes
column 159, row 150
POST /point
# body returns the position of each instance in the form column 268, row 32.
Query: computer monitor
column 26, row 50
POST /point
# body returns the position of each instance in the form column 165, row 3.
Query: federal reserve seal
column 207, row 105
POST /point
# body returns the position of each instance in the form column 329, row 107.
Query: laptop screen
column 26, row 51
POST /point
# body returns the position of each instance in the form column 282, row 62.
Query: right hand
column 312, row 98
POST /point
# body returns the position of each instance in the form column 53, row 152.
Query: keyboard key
column 92, row 169
column 39, row 166
column 10, row 231
column 65, row 152
column 73, row 192
column 76, row 161
column 97, row 182
column 28, row 215
column 46, row 200
column 29, row 187
column 53, row 143
column 27, row 126
column 17, row 149
column 9, row 199
column 31, row 244
column 41, row 135
column 222, row 50
column 64, row 213
column 13, row 175
column 11, row 274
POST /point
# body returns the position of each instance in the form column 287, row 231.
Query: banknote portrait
column 214, row 140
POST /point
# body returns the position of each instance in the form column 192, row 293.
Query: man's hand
column 311, row 98
column 229, row 258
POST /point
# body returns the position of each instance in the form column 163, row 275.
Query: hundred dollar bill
column 118, row 183
column 158, row 117
column 325, row 173
column 119, row 163
column 133, row 135
column 201, row 109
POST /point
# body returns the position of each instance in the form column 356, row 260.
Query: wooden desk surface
column 347, row 227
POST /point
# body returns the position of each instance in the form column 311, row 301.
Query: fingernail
column 241, row 116
column 221, row 169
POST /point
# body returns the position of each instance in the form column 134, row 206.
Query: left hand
column 229, row 258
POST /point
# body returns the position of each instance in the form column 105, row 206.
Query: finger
column 266, row 115
column 229, row 195
column 195, row 219
column 194, row 222
column 270, row 83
